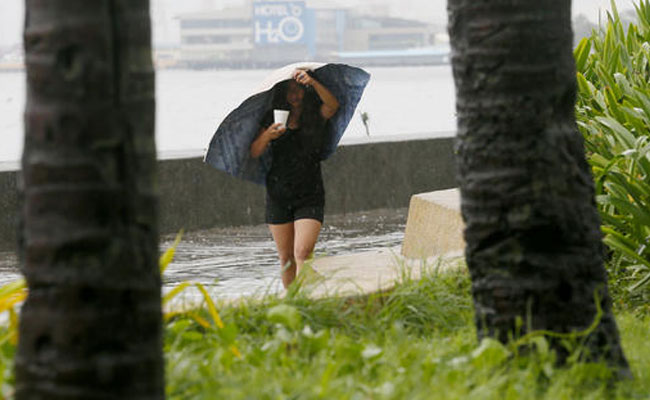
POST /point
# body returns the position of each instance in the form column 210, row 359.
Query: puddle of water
column 242, row 261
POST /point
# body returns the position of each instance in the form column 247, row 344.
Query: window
column 215, row 23
column 206, row 39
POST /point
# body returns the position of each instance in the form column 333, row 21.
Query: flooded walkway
column 242, row 261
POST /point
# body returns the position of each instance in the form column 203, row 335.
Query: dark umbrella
column 229, row 149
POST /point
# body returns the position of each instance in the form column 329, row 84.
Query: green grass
column 416, row 342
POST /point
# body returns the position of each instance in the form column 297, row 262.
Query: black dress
column 294, row 183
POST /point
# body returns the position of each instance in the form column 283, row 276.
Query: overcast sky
column 11, row 13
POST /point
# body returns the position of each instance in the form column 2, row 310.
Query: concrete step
column 434, row 225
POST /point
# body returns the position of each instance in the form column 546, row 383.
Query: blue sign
column 280, row 22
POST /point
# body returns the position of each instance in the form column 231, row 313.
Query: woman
column 295, row 196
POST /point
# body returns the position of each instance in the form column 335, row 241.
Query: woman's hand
column 330, row 104
column 301, row 76
column 274, row 131
column 259, row 145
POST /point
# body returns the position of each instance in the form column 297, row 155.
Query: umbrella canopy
column 229, row 148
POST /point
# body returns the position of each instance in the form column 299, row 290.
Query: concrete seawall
column 8, row 209
column 362, row 176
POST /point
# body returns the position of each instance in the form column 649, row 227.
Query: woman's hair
column 310, row 118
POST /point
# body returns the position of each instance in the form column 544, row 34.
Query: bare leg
column 283, row 235
column 306, row 234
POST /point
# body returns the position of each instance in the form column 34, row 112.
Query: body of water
column 191, row 104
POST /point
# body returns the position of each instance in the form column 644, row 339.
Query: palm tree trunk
column 533, row 237
column 91, row 327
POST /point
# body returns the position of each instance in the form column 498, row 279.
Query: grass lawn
column 417, row 341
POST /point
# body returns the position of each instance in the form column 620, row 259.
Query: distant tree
column 91, row 326
column 534, row 247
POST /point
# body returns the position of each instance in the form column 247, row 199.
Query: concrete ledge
column 358, row 177
column 9, row 209
column 434, row 225
column 365, row 272
column 373, row 271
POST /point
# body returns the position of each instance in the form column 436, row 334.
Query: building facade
column 268, row 33
column 216, row 38
column 364, row 33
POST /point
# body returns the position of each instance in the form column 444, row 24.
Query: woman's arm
column 259, row 145
column 330, row 103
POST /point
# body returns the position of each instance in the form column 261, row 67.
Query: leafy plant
column 11, row 296
column 613, row 114
column 227, row 333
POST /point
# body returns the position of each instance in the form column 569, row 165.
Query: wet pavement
column 242, row 261
column 8, row 267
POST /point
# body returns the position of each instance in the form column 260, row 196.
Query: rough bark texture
column 91, row 327
column 533, row 237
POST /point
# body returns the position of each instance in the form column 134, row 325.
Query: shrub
column 613, row 114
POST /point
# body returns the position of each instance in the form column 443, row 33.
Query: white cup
column 281, row 116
